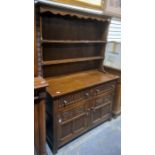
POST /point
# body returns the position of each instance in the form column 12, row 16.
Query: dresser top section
column 62, row 85
column 39, row 82
column 47, row 6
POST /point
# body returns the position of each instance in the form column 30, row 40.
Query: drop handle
column 87, row 94
column 60, row 120
column 65, row 102
column 97, row 90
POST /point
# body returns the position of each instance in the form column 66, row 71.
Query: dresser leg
column 110, row 118
column 54, row 150
column 116, row 114
column 42, row 128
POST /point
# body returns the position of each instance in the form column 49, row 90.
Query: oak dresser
column 71, row 46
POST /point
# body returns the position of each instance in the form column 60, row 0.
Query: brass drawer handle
column 87, row 94
column 60, row 120
column 97, row 90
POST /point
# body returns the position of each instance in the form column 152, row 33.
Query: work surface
column 69, row 83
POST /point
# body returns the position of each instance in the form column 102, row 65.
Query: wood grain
column 65, row 84
column 53, row 62
column 39, row 115
column 80, row 95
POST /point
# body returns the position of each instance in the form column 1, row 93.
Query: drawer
column 103, row 88
column 72, row 113
column 73, row 98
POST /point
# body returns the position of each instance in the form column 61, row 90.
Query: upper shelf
column 53, row 62
column 73, row 41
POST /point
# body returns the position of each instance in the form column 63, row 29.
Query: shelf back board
column 57, row 27
column 69, row 68
column 66, row 51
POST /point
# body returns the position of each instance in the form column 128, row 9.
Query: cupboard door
column 101, row 109
column 72, row 122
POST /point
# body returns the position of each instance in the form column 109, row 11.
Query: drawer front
column 70, row 99
column 104, row 88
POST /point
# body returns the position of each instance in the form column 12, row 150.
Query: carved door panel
column 101, row 108
column 72, row 122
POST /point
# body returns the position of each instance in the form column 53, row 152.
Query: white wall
column 113, row 49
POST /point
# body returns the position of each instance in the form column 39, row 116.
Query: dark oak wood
column 53, row 62
column 73, row 41
column 69, row 83
column 116, row 110
column 39, row 115
column 80, row 94
column 76, row 112
column 35, row 51
column 71, row 12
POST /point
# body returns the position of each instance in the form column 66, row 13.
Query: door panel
column 66, row 129
column 99, row 113
column 72, row 122
column 80, row 123
column 101, row 108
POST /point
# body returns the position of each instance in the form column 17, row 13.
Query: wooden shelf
column 59, row 85
column 73, row 41
column 53, row 62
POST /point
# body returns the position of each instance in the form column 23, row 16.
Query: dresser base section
column 71, row 115
column 53, row 146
